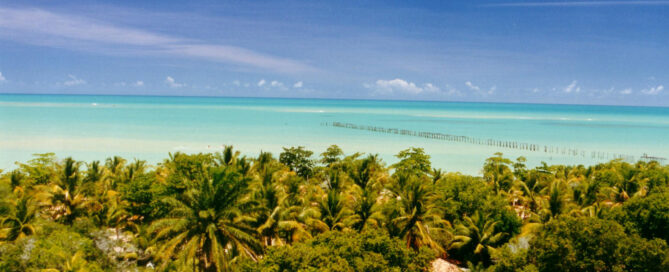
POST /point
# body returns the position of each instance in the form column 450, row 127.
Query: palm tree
column 134, row 169
column 293, row 213
column 477, row 237
column 436, row 175
column 365, row 210
column 418, row 220
column 208, row 225
column 228, row 156
column 269, row 208
column 115, row 166
column 19, row 222
column 498, row 173
column 556, row 202
column 15, row 179
column 362, row 171
column 332, row 213
column 64, row 200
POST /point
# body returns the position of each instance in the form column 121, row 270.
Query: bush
column 648, row 216
column 56, row 247
column 340, row 251
column 585, row 244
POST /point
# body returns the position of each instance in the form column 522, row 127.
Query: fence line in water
column 548, row 149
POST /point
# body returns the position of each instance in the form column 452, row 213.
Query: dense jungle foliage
column 333, row 212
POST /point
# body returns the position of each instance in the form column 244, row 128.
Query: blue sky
column 583, row 52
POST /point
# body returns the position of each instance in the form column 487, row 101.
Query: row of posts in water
column 489, row 142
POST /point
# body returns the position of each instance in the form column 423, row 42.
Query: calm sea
column 96, row 127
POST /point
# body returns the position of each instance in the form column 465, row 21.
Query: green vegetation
column 334, row 212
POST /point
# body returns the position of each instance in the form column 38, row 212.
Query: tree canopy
column 334, row 212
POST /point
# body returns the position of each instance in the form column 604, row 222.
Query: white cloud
column 478, row 89
column 429, row 87
column 653, row 90
column 472, row 86
column 36, row 26
column 2, row 78
column 275, row 83
column 535, row 90
column 236, row 83
column 261, row 82
column 298, row 84
column 173, row 83
column 452, row 91
column 401, row 85
column 626, row 91
column 74, row 81
column 139, row 83
column 572, row 88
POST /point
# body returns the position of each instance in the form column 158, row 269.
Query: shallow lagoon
column 95, row 127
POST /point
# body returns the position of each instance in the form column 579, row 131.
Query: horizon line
column 347, row 99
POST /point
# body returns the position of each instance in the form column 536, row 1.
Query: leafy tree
column 298, row 160
column 583, row 244
column 497, row 172
column 40, row 170
column 344, row 251
column 648, row 216
column 413, row 161
column 578, row 244
column 142, row 195
column 331, row 155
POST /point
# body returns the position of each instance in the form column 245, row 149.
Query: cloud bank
column 399, row 85
column 41, row 27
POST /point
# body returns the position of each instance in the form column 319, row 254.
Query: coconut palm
column 436, row 175
column 16, row 179
column 498, row 173
column 365, row 210
column 134, row 169
column 477, row 238
column 294, row 213
column 362, row 171
column 332, row 213
column 228, row 156
column 208, row 225
column 555, row 201
column 20, row 220
column 269, row 209
column 115, row 166
column 65, row 200
column 418, row 219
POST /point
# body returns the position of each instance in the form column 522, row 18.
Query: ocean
column 89, row 127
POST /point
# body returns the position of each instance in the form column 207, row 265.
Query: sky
column 562, row 52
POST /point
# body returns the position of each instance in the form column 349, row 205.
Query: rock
column 441, row 265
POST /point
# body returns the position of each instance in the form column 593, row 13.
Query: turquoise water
column 95, row 127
